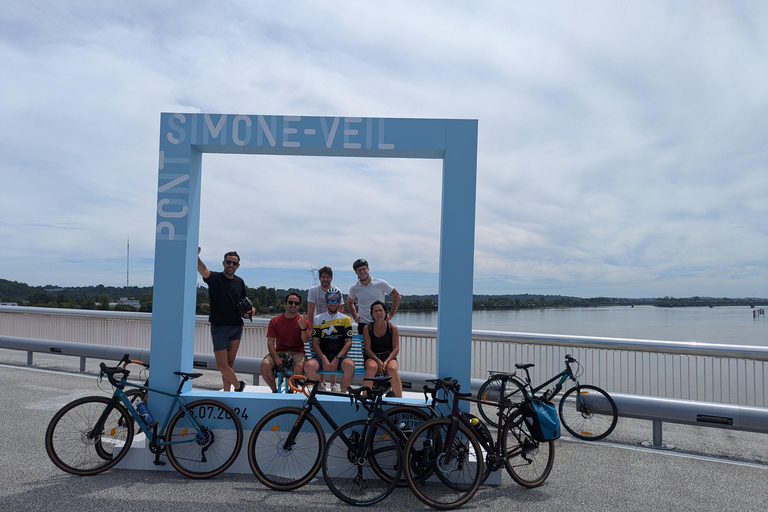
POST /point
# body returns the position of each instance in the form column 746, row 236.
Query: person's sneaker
column 321, row 386
column 242, row 386
column 336, row 388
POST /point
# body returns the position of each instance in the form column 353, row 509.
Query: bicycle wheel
column 282, row 466
column 490, row 392
column 531, row 461
column 205, row 438
column 443, row 477
column 347, row 463
column 76, row 447
column 407, row 420
column 588, row 412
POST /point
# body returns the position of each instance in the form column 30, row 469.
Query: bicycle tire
column 407, row 419
column 349, row 474
column 593, row 418
column 443, row 482
column 74, row 447
column 281, row 468
column 221, row 436
column 490, row 391
column 531, row 467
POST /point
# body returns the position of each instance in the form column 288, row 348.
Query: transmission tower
column 128, row 263
column 313, row 271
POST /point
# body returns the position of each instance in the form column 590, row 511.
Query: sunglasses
column 233, row 263
column 333, row 301
column 293, row 303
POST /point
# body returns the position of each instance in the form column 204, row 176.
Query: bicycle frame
column 310, row 403
column 155, row 439
column 375, row 413
column 563, row 376
column 493, row 448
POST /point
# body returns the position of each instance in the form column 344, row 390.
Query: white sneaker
column 322, row 386
column 336, row 388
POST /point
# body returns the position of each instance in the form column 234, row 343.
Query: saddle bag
column 542, row 420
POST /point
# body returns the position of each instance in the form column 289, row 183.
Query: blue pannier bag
column 542, row 420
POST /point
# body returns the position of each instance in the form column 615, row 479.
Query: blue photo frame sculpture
column 184, row 138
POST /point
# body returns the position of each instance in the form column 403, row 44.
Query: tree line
column 268, row 300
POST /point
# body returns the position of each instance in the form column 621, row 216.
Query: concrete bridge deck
column 709, row 469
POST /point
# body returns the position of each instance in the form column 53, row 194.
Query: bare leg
column 370, row 371
column 348, row 367
column 397, row 384
column 311, row 367
column 266, row 374
column 228, row 376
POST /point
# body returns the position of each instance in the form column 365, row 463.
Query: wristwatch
column 339, row 356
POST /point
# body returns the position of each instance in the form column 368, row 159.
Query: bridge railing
column 727, row 374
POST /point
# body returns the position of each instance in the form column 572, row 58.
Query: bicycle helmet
column 333, row 293
column 359, row 263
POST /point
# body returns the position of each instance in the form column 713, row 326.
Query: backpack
column 542, row 420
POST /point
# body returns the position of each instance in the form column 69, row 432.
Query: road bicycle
column 408, row 417
column 586, row 411
column 447, row 459
column 92, row 434
column 286, row 447
column 363, row 458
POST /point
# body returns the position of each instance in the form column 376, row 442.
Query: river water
column 726, row 325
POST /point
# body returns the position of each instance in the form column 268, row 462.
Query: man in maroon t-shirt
column 286, row 333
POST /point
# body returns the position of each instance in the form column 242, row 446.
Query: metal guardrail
column 640, row 373
column 704, row 372
column 658, row 410
column 243, row 365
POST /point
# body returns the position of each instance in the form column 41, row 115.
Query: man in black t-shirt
column 225, row 290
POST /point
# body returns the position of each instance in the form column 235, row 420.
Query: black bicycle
column 447, row 459
column 92, row 434
column 586, row 411
column 363, row 459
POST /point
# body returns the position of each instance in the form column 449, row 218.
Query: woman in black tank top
column 382, row 344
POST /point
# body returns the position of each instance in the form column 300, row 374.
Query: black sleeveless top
column 381, row 344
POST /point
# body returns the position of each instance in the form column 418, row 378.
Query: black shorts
column 381, row 355
column 223, row 334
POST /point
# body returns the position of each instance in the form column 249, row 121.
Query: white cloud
column 621, row 147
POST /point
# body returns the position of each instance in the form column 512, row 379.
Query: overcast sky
column 623, row 146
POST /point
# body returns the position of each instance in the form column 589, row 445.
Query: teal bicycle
column 587, row 412
column 92, row 434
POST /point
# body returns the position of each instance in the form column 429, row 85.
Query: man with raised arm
column 225, row 290
column 286, row 334
column 368, row 290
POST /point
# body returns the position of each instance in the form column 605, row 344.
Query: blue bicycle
column 92, row 434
